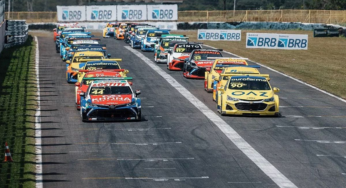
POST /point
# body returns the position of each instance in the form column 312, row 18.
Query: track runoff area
column 182, row 141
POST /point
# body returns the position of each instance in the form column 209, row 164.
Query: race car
column 151, row 38
column 166, row 44
column 110, row 100
column 85, row 47
column 61, row 27
column 218, row 65
column 248, row 95
column 109, row 30
column 136, row 37
column 77, row 62
column 181, row 51
column 78, row 38
column 120, row 31
column 200, row 60
column 233, row 70
column 101, row 65
column 89, row 76
column 60, row 39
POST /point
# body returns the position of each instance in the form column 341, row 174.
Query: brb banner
column 220, row 35
column 162, row 12
column 132, row 12
column 71, row 13
column 101, row 13
column 277, row 41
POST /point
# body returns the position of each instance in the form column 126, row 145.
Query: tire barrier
column 16, row 33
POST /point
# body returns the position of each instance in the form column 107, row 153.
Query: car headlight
column 229, row 98
column 269, row 99
column 75, row 70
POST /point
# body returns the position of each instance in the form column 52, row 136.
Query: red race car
column 181, row 51
column 90, row 76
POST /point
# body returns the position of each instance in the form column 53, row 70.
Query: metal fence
column 308, row 16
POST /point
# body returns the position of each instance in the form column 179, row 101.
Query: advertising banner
column 162, row 12
column 326, row 32
column 131, row 12
column 101, row 13
column 221, row 35
column 71, row 13
column 277, row 41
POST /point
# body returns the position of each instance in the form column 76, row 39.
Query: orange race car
column 120, row 31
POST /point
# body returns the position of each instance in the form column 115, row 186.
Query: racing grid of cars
column 103, row 90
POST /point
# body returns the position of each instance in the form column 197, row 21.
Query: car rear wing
column 84, row 36
column 238, row 74
column 100, row 60
column 104, row 70
column 231, row 65
column 228, row 58
column 110, row 78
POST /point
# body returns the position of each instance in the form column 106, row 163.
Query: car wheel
column 139, row 115
column 68, row 77
column 132, row 44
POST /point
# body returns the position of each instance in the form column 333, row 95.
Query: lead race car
column 110, row 100
column 89, row 76
column 248, row 95
column 200, row 61
column 151, row 37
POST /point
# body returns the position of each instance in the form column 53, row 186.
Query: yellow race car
column 109, row 30
column 78, row 61
column 222, row 79
column 218, row 65
column 248, row 95
column 110, row 65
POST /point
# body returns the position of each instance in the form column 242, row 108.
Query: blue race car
column 63, row 34
column 84, row 47
column 69, row 40
column 136, row 38
column 110, row 100
column 151, row 38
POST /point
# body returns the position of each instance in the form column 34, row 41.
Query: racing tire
column 84, row 117
column 278, row 114
column 155, row 58
column 132, row 44
column 221, row 112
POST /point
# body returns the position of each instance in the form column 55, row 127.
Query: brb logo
column 162, row 14
column 278, row 42
column 201, row 36
column 132, row 14
column 71, row 15
column 101, row 14
column 230, row 36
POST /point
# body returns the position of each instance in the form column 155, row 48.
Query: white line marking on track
column 285, row 75
column 129, row 143
column 138, row 159
column 38, row 133
column 245, row 147
column 160, row 168
column 310, row 128
column 334, row 156
column 322, row 141
column 148, row 178
column 245, row 182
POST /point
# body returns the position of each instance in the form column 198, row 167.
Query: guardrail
column 308, row 16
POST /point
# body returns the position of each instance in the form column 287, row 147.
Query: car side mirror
column 77, row 84
column 138, row 92
column 109, row 55
column 222, row 89
column 68, row 61
column 276, row 90
column 82, row 94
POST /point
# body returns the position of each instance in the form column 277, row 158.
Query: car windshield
column 248, row 84
column 198, row 56
column 141, row 33
column 154, row 34
column 112, row 90
column 102, row 66
column 172, row 43
column 87, row 81
column 78, row 58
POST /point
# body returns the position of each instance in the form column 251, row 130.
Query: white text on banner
column 131, row 12
column 162, row 12
column 277, row 41
column 101, row 13
column 71, row 13
column 223, row 35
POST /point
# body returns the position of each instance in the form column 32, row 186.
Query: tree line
column 50, row 5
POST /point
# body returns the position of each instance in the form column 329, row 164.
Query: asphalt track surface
column 176, row 146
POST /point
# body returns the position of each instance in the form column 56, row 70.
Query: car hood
column 250, row 94
column 111, row 99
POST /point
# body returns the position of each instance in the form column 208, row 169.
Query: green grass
column 17, row 110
